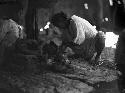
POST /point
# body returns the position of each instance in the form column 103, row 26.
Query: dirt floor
column 78, row 77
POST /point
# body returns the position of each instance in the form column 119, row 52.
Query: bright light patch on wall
column 94, row 27
column 119, row 2
column 106, row 19
column 111, row 39
column 41, row 29
column 47, row 25
column 21, row 27
column 111, row 2
column 86, row 6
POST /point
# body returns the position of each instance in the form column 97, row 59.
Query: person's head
column 60, row 20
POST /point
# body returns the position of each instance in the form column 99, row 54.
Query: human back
column 85, row 37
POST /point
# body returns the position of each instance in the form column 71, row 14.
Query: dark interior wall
column 9, row 9
column 68, row 6
column 97, row 11
column 45, row 8
column 94, row 14
column 48, row 7
column 17, row 9
column 43, row 16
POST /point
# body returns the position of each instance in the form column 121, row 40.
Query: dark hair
column 56, row 18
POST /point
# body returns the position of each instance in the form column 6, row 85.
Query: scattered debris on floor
column 83, row 78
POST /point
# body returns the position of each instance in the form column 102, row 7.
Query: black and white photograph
column 62, row 46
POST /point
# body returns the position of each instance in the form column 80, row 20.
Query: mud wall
column 94, row 13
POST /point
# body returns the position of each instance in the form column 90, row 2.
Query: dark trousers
column 121, row 80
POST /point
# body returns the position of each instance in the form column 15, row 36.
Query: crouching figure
column 10, row 31
column 78, row 34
